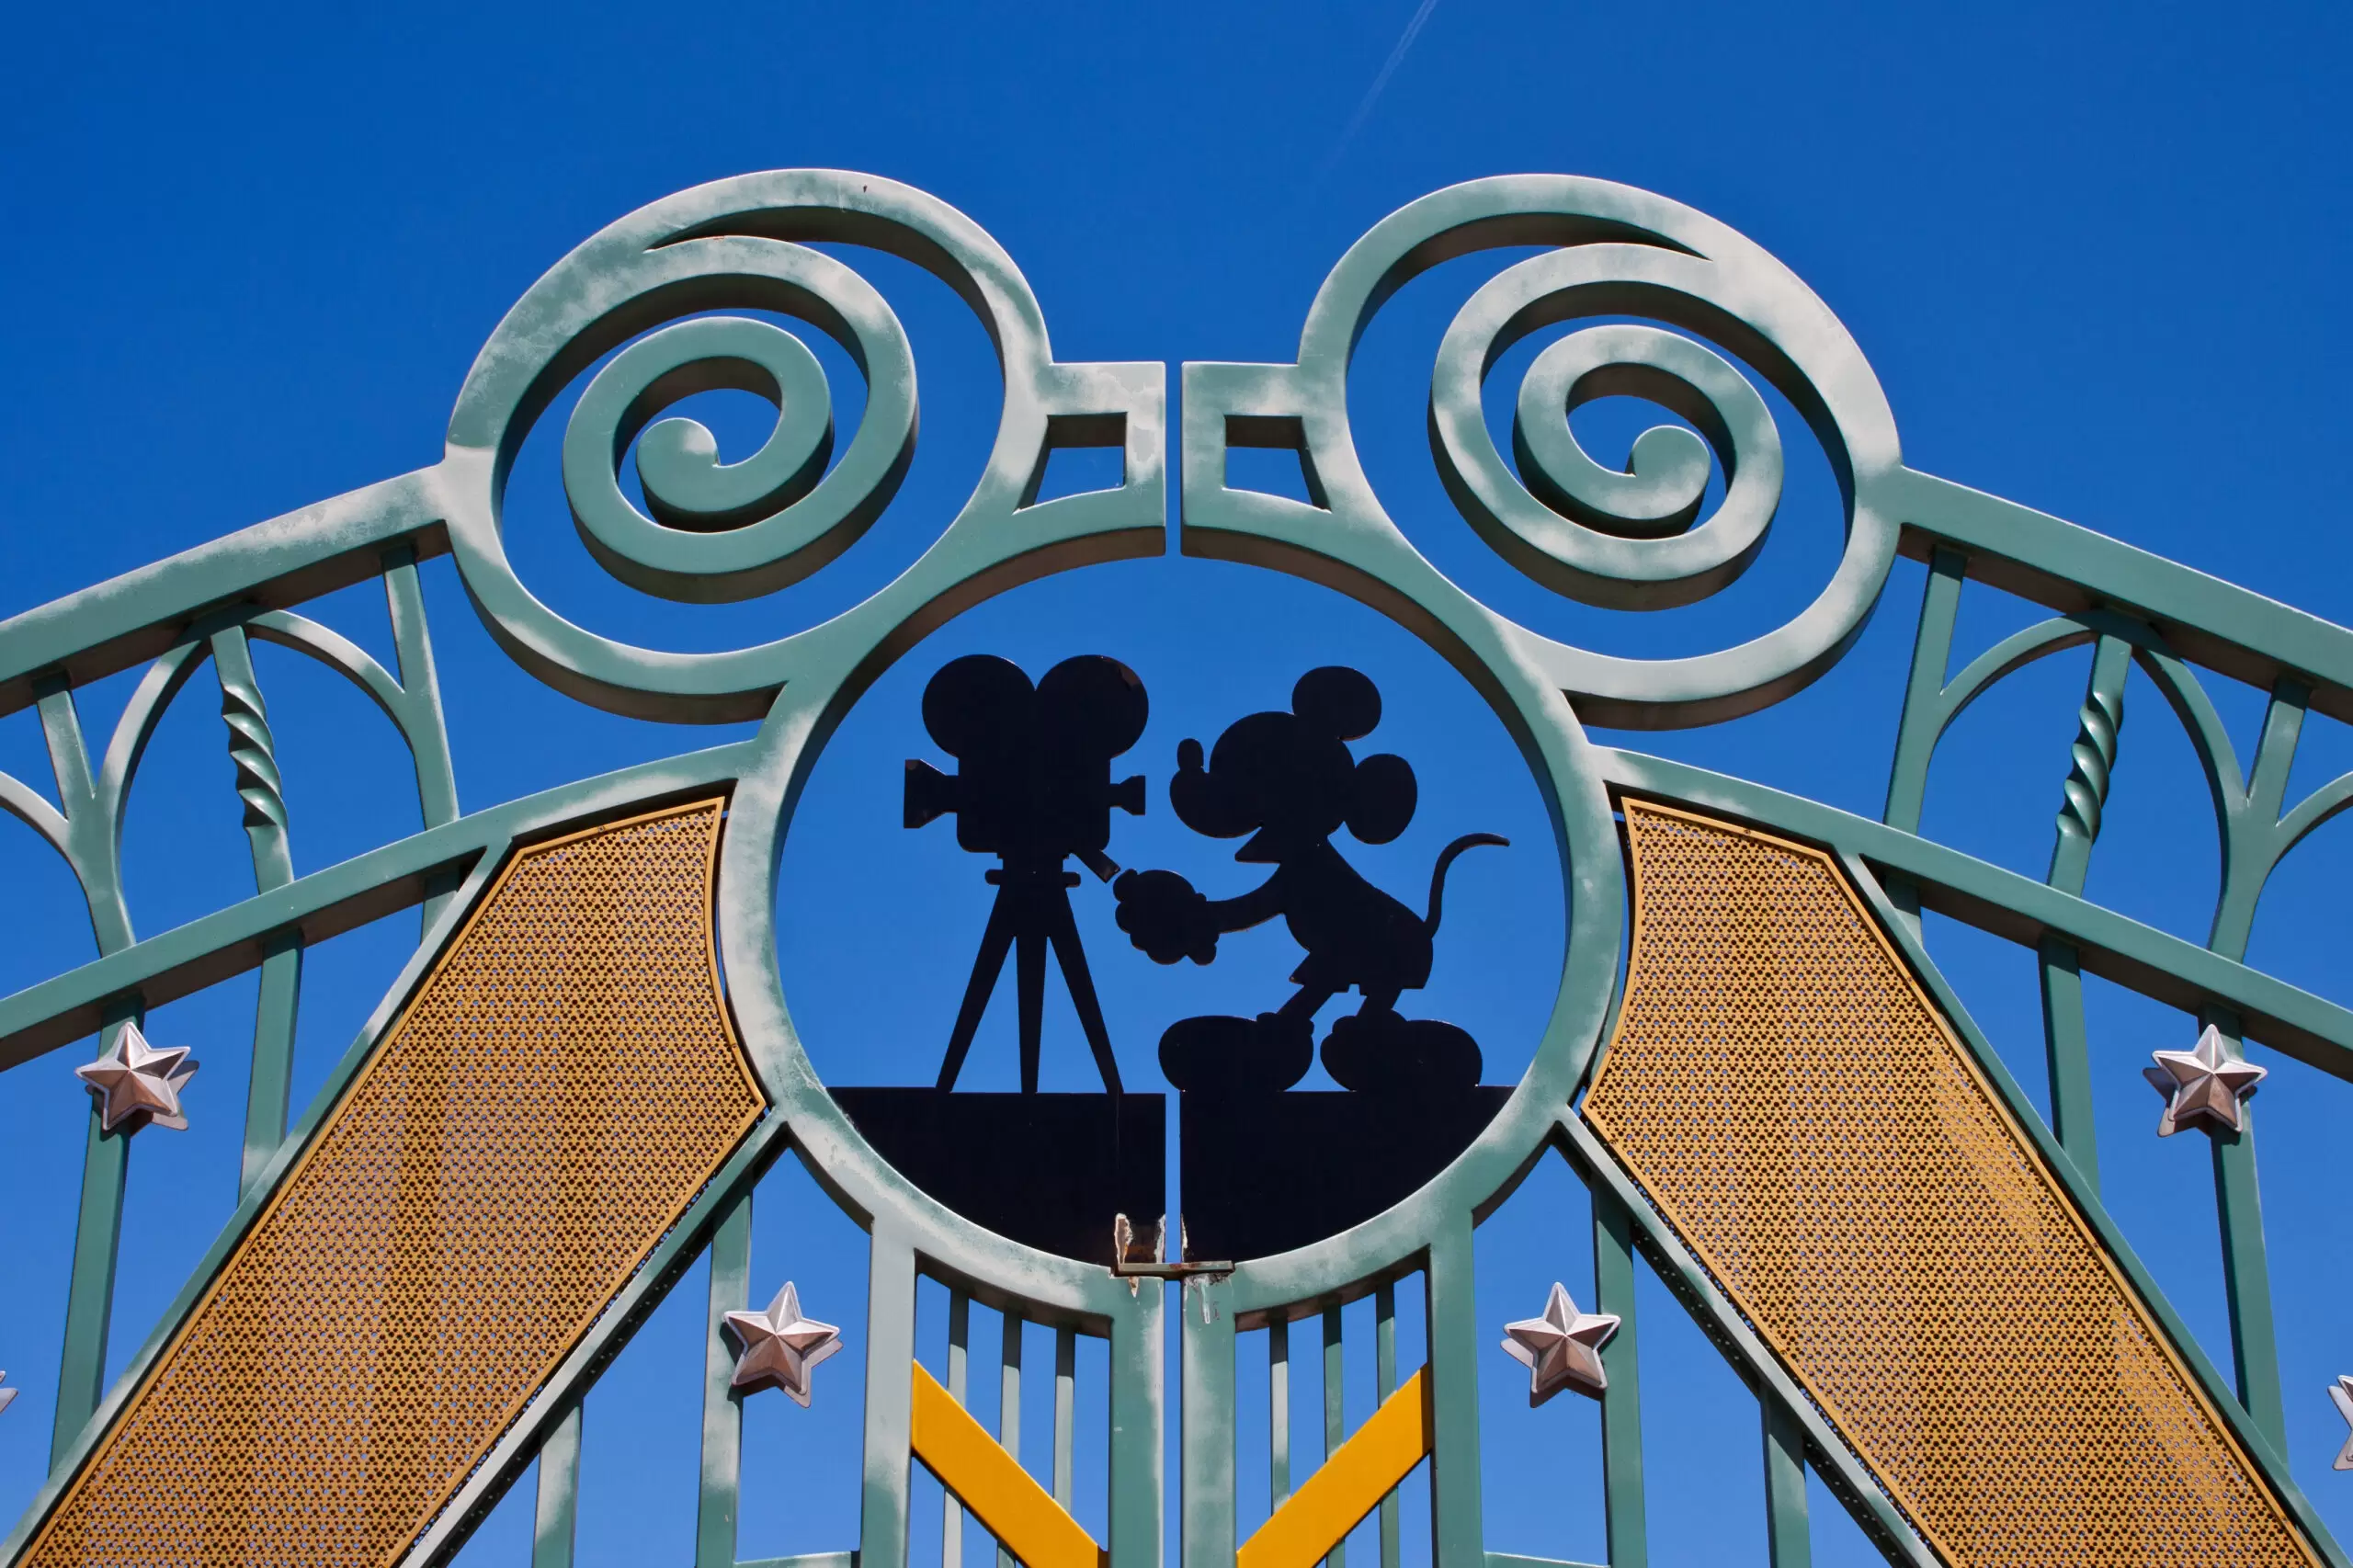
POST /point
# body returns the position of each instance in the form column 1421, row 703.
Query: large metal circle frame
column 737, row 242
column 1336, row 1267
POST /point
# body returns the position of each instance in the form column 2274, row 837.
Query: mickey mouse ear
column 1342, row 702
column 1385, row 795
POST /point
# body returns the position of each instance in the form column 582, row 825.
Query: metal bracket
column 1124, row 1236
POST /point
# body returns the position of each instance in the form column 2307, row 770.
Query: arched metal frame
column 646, row 287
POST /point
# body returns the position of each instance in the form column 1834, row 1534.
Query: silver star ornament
column 2342, row 1392
column 780, row 1345
column 2205, row 1084
column 7, row 1396
column 1561, row 1349
column 136, row 1083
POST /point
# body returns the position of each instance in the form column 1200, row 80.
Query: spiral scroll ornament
column 1714, row 320
column 1636, row 539
column 684, row 297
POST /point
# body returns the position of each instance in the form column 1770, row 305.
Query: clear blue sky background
column 2095, row 256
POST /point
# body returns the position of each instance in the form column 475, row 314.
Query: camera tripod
column 1032, row 909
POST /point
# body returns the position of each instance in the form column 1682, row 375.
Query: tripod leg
column 1029, row 969
column 987, row 965
column 1064, row 929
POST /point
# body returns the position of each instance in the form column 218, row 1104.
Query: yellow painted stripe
column 1352, row 1482
column 1013, row 1508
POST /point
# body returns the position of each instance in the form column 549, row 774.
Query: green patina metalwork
column 730, row 531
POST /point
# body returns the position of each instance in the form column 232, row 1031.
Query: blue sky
column 2094, row 257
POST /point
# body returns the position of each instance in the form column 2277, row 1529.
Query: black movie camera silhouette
column 1033, row 788
column 1288, row 781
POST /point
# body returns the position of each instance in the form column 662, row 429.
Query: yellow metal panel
column 989, row 1482
column 1351, row 1484
column 1804, row 1118
column 563, row 1083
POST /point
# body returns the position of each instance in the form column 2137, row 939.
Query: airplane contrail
column 1388, row 69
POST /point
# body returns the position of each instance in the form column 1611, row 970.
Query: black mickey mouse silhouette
column 1288, row 781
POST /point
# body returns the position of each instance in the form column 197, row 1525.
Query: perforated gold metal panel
column 1804, row 1118
column 563, row 1083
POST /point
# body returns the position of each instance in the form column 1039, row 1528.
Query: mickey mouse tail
column 1445, row 863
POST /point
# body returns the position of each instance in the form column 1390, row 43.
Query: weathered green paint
column 1457, row 1520
column 272, row 1082
column 722, row 1412
column 1277, row 1413
column 2246, row 1272
column 556, row 1521
column 1206, row 1466
column 960, row 1340
column 2022, row 909
column 90, row 1292
column 1008, row 1406
column 1623, row 1493
column 1789, row 1537
column 747, row 244
column 1923, row 720
column 1384, row 1354
column 889, row 1395
column 1065, row 1416
column 2067, row 1053
column 1138, row 1431
column 1335, row 1408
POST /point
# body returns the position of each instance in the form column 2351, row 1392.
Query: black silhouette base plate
column 1049, row 1170
column 1265, row 1173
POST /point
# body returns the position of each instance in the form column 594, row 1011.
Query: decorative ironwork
column 1927, row 1413
column 781, row 1347
column 561, row 1085
column 136, row 1084
column 1562, row 1347
column 2203, row 1087
column 1802, row 1117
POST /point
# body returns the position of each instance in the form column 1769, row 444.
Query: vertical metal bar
column 1009, row 1410
column 1065, row 1412
column 1278, row 1414
column 2246, row 1271
column 89, row 1294
column 1207, row 1498
column 959, row 1334
column 2091, row 761
column 1458, row 1536
column 2066, row 1045
column 890, row 1396
column 557, row 1519
column 1621, row 1406
column 1335, row 1412
column 277, row 1006
column 254, row 751
column 1923, row 719
column 105, row 1160
column 1788, row 1532
column 2251, row 838
column 722, row 1413
column 1139, row 1442
column 1384, row 1362
column 426, row 729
